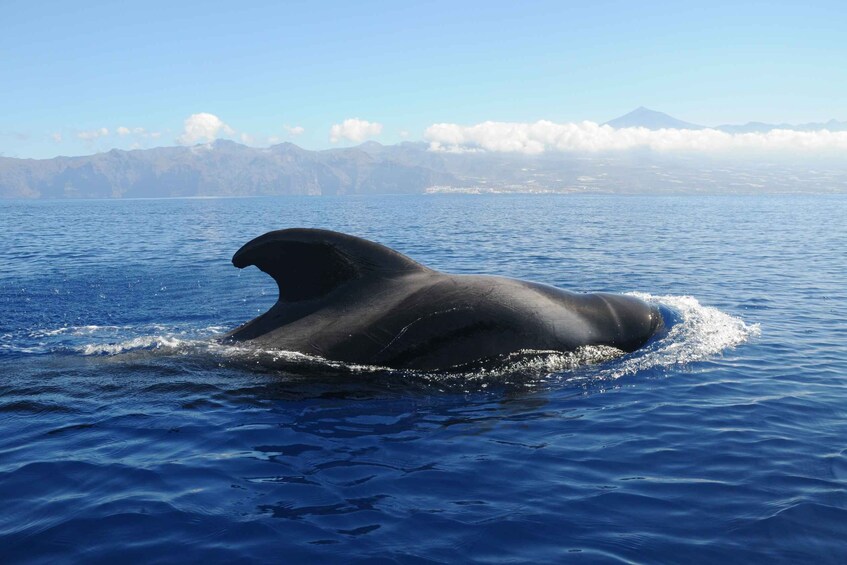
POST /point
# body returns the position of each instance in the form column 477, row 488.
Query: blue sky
column 72, row 74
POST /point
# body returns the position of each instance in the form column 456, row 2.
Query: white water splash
column 700, row 333
column 246, row 353
column 536, row 363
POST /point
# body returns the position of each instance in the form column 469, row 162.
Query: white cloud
column 203, row 127
column 247, row 139
column 57, row 137
column 294, row 131
column 355, row 130
column 93, row 134
column 543, row 135
column 124, row 131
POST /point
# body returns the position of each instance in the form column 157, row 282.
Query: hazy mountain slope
column 222, row 168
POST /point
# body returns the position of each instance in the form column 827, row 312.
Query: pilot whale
column 348, row 299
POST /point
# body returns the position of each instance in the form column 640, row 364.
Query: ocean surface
column 129, row 434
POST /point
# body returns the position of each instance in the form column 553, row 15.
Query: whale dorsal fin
column 309, row 263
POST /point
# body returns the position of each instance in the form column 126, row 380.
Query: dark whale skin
column 348, row 299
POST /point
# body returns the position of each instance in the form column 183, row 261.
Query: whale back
column 310, row 263
column 348, row 299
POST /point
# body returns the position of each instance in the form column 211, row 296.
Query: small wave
column 239, row 354
column 158, row 338
column 138, row 343
column 102, row 339
column 74, row 330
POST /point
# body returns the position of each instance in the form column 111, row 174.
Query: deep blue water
column 129, row 434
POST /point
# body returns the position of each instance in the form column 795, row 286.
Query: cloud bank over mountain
column 545, row 136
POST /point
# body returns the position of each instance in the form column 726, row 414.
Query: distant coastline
column 228, row 169
column 224, row 168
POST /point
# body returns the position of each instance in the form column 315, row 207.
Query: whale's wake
column 693, row 333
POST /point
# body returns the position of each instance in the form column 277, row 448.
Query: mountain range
column 227, row 168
